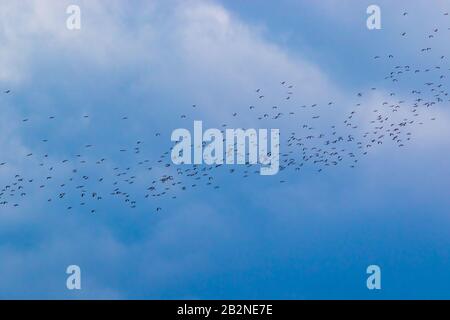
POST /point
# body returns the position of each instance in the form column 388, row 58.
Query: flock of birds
column 73, row 182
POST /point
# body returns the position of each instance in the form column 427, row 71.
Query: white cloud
column 189, row 45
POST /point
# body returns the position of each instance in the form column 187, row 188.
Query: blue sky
column 311, row 237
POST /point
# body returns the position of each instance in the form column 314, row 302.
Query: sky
column 311, row 237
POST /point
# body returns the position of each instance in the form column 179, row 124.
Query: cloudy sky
column 311, row 237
